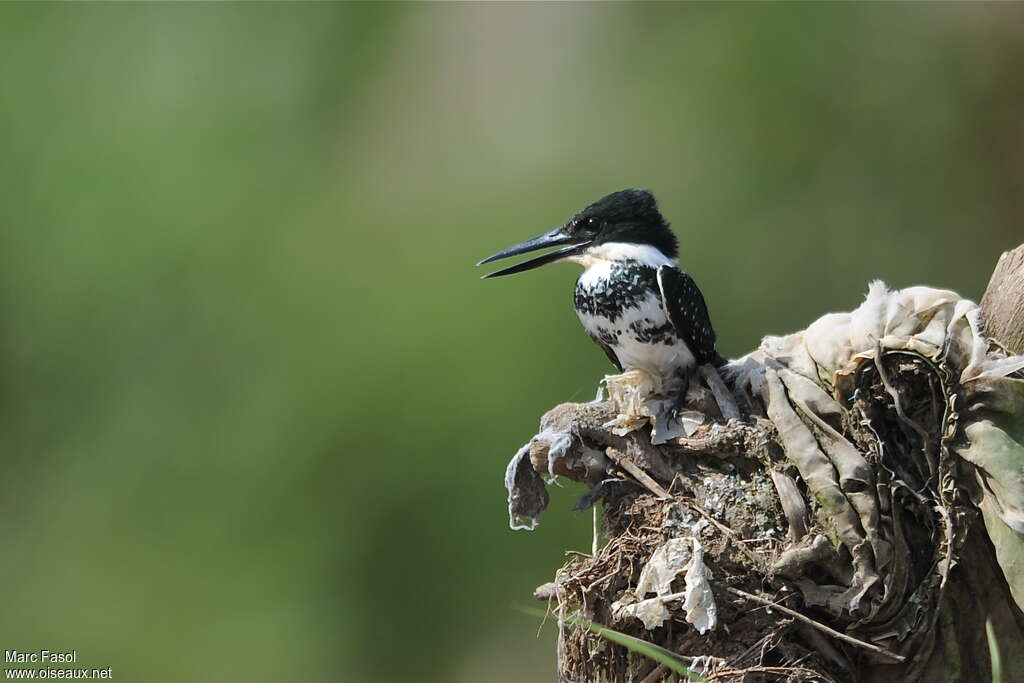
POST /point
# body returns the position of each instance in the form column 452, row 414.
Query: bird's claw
column 675, row 412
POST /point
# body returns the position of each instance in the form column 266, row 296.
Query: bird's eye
column 593, row 224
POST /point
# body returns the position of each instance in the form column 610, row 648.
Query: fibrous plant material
column 860, row 520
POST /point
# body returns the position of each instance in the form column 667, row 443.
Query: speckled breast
column 621, row 308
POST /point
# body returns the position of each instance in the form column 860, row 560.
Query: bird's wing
column 607, row 351
column 685, row 308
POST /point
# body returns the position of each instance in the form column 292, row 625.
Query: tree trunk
column 1002, row 307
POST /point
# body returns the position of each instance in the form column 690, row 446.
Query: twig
column 756, row 646
column 729, row 533
column 655, row 675
column 780, row 671
column 645, row 479
column 818, row 625
column 720, row 440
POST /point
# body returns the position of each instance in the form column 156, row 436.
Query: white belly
column 642, row 338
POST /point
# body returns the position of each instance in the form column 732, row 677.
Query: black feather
column 608, row 352
column 685, row 308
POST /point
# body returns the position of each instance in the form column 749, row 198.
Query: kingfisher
column 632, row 298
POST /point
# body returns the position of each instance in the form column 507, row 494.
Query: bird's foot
column 678, row 407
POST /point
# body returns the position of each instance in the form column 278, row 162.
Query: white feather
column 610, row 252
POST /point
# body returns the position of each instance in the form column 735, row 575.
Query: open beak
column 554, row 238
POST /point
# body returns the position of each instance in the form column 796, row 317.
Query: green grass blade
column 993, row 651
column 632, row 643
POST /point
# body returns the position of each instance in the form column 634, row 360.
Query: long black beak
column 553, row 238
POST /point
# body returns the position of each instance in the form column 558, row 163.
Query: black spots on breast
column 646, row 333
column 603, row 335
column 608, row 297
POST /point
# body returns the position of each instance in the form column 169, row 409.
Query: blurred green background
column 257, row 406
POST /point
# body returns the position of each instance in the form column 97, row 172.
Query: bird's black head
column 629, row 216
column 626, row 216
